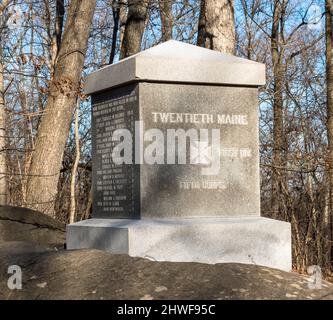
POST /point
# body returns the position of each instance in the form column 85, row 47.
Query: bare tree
column 166, row 18
column 216, row 28
column 55, row 123
column 116, row 17
column 122, row 21
column 278, row 83
column 75, row 165
column 329, row 103
column 57, row 32
column 134, row 28
column 3, row 165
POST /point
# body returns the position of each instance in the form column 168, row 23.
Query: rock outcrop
column 93, row 274
column 21, row 224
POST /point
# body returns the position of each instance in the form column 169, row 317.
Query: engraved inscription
column 114, row 184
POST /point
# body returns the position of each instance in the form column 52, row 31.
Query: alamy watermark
column 315, row 280
column 193, row 146
column 170, row 149
column 15, row 279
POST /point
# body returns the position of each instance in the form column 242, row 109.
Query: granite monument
column 175, row 152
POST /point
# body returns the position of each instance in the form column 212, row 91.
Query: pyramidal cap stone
column 175, row 61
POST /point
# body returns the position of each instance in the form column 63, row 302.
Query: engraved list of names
column 114, row 185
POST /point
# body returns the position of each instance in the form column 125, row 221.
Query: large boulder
column 93, row 274
column 22, row 224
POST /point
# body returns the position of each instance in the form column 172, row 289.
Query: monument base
column 252, row 240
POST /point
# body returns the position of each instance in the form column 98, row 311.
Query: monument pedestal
column 252, row 240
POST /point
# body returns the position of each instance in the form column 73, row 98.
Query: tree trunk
column 278, row 76
column 56, row 120
column 116, row 16
column 72, row 211
column 122, row 21
column 3, row 164
column 216, row 29
column 57, row 33
column 329, row 85
column 3, row 167
column 166, row 19
column 134, row 28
